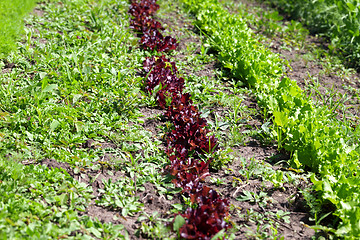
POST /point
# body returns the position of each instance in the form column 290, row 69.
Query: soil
column 287, row 199
column 151, row 199
column 38, row 12
column 8, row 67
column 38, row 41
column 152, row 118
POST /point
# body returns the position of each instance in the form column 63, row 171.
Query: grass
column 63, row 106
column 12, row 13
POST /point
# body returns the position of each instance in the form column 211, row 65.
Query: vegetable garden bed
column 102, row 139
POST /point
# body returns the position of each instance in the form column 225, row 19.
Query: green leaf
column 294, row 161
column 328, row 192
column 42, row 75
column 54, row 124
column 351, row 6
column 178, row 223
column 95, row 232
column 125, row 212
column 219, row 235
column 50, row 88
column 76, row 98
column 246, row 197
column 178, row 206
column 280, row 118
column 44, row 83
column 342, row 231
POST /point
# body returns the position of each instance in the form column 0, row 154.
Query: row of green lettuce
column 12, row 13
column 316, row 140
column 339, row 20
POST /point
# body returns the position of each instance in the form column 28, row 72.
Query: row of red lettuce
column 190, row 141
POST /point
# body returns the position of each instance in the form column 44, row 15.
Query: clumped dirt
column 37, row 13
column 8, row 67
column 182, row 29
column 52, row 163
column 152, row 118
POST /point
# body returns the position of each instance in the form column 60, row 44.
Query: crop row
column 316, row 140
column 189, row 143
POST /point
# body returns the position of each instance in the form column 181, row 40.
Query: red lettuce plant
column 190, row 135
column 154, row 40
column 147, row 7
column 142, row 16
column 148, row 28
column 160, row 71
column 143, row 23
column 208, row 218
column 188, row 172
